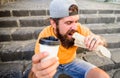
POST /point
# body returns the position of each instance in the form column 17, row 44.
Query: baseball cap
column 60, row 8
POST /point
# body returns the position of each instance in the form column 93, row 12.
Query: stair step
column 27, row 33
column 16, row 33
column 99, row 18
column 104, row 28
column 115, row 55
column 13, row 69
column 43, row 20
column 32, row 21
column 17, row 50
column 113, row 40
column 44, row 12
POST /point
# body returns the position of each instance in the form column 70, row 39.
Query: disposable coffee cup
column 50, row 45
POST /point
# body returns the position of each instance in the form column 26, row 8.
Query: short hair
column 73, row 10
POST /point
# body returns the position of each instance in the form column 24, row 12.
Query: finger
column 92, row 44
column 37, row 57
column 50, row 75
column 38, row 75
column 89, row 40
column 96, row 44
column 86, row 41
column 47, row 63
column 50, row 69
column 34, row 68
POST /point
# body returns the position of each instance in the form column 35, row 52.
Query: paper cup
column 50, row 45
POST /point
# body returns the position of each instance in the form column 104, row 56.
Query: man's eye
column 76, row 21
column 69, row 22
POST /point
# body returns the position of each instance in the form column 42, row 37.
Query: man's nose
column 74, row 27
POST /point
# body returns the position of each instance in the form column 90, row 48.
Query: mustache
column 65, row 41
column 71, row 32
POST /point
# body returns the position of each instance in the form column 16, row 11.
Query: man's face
column 66, row 27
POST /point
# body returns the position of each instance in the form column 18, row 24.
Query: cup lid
column 51, row 40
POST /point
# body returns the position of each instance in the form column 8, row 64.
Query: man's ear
column 52, row 22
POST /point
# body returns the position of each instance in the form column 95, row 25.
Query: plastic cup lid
column 49, row 41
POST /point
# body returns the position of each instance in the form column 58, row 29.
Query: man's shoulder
column 47, row 27
column 79, row 25
column 47, row 31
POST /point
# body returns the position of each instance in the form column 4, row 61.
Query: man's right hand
column 44, row 69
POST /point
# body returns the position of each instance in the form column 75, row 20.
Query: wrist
column 103, row 41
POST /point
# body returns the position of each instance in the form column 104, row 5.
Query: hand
column 44, row 69
column 92, row 41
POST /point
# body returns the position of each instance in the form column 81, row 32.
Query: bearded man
column 64, row 19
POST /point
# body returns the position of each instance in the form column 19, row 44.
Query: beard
column 65, row 40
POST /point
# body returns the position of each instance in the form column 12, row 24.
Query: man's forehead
column 74, row 17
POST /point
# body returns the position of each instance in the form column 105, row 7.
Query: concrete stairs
column 19, row 29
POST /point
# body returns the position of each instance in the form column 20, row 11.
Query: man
column 64, row 22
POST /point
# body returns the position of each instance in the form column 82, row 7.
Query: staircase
column 22, row 21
